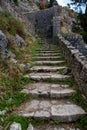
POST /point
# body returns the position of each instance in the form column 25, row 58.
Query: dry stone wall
column 56, row 25
column 43, row 20
column 78, row 42
column 77, row 62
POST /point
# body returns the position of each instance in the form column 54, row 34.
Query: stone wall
column 77, row 62
column 56, row 25
column 43, row 19
column 78, row 42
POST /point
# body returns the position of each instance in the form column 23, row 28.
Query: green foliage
column 12, row 88
column 19, row 119
column 82, row 18
column 23, row 121
column 83, row 23
column 51, row 3
column 78, row 99
column 11, row 101
column 76, row 27
column 82, row 123
column 56, row 122
column 9, row 24
column 84, row 34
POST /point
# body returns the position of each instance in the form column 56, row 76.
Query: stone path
column 47, row 58
column 51, row 101
column 49, row 62
column 48, row 90
column 47, row 68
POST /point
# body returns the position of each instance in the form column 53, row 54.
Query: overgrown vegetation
column 76, row 27
column 9, row 24
column 12, row 78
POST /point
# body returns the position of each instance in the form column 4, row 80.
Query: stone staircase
column 51, row 93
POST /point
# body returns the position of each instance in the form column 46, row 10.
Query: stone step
column 47, row 68
column 50, row 54
column 48, row 90
column 46, row 76
column 47, row 58
column 48, row 51
column 48, row 126
column 48, row 62
column 51, row 109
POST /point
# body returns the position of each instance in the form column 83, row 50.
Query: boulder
column 15, row 126
column 24, row 67
column 1, row 9
column 30, row 127
column 3, row 112
column 3, row 43
column 19, row 41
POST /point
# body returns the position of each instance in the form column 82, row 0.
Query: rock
column 27, row 66
column 10, row 100
column 12, row 55
column 55, row 128
column 1, row 128
column 30, row 127
column 19, row 41
column 13, row 60
column 15, row 126
column 3, row 43
column 3, row 112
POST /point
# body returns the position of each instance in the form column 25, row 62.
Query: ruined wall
column 56, row 25
column 77, row 62
column 43, row 20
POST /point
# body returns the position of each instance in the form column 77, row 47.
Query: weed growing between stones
column 56, row 122
column 19, row 119
column 77, row 98
column 60, row 71
column 24, row 121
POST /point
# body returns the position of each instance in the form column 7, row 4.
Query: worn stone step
column 49, row 54
column 49, row 62
column 46, row 76
column 51, row 109
column 48, row 51
column 47, row 58
column 48, row 90
column 47, row 68
column 49, row 126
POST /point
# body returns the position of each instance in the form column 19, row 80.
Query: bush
column 84, row 34
column 9, row 24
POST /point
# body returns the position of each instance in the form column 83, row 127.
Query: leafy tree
column 82, row 17
column 51, row 2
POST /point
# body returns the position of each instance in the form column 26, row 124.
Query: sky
column 65, row 2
